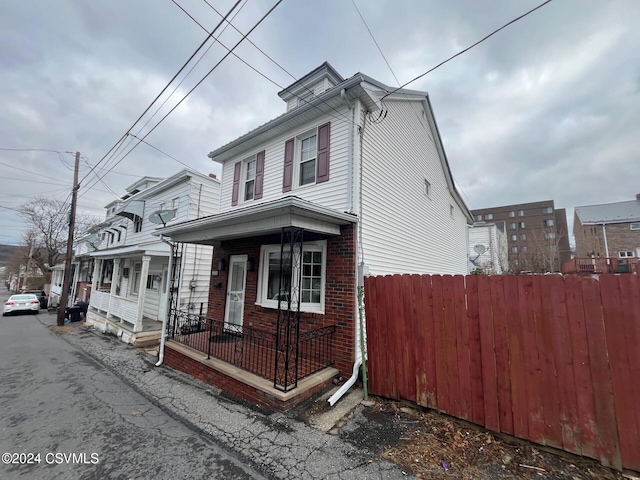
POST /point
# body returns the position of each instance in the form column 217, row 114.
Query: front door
column 235, row 290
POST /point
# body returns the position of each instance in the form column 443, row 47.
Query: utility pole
column 67, row 263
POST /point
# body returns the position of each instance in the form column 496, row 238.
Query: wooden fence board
column 397, row 340
column 630, row 292
column 565, row 379
column 602, row 386
column 462, row 347
column 442, row 380
column 544, row 337
column 533, row 369
column 421, row 335
column 588, row 430
column 475, row 353
column 450, row 346
column 432, row 389
column 517, row 373
column 616, row 334
column 501, row 341
column 407, row 339
column 489, row 375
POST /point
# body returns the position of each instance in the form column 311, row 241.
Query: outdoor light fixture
column 250, row 263
column 222, row 265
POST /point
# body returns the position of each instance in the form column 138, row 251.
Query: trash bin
column 74, row 314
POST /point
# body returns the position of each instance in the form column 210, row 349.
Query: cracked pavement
column 265, row 444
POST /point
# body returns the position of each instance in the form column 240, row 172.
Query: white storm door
column 235, row 290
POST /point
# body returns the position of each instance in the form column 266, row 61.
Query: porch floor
column 254, row 357
column 148, row 336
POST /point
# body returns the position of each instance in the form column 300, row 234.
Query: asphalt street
column 88, row 393
column 63, row 415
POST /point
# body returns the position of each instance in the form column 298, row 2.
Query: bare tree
column 543, row 251
column 48, row 227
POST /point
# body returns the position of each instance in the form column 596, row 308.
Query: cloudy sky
column 548, row 108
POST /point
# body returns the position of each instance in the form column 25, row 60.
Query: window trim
column 297, row 159
column 263, row 272
column 427, row 188
column 625, row 254
column 243, row 175
column 634, row 226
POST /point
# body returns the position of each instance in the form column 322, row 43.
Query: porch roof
column 260, row 219
column 155, row 249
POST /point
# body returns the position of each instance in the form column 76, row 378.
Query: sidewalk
column 277, row 444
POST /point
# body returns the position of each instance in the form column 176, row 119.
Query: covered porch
column 280, row 323
column 129, row 293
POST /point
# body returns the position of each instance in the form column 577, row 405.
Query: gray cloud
column 546, row 108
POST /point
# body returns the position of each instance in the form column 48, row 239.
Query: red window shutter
column 236, row 183
column 287, row 180
column 257, row 189
column 322, row 164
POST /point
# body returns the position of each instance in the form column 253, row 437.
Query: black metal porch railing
column 252, row 349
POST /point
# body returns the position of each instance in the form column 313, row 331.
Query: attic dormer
column 311, row 85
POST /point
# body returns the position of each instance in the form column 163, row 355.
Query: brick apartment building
column 537, row 234
column 610, row 230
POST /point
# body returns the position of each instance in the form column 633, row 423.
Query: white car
column 24, row 302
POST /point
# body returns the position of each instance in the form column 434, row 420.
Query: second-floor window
column 137, row 224
column 250, row 179
column 306, row 158
column 308, row 151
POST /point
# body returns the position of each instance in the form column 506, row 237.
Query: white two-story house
column 351, row 180
column 134, row 273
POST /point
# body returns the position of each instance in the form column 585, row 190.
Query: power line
column 467, row 49
column 165, row 88
column 278, row 65
column 157, row 149
column 202, row 80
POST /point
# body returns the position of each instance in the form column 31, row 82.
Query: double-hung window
column 308, row 153
column 249, row 179
column 306, row 281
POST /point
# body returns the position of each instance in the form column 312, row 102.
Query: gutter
column 164, row 318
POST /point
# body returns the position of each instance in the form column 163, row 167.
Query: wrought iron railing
column 252, row 349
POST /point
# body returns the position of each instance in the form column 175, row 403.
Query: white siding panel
column 404, row 231
column 332, row 194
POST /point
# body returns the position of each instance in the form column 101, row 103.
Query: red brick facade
column 340, row 290
column 236, row 388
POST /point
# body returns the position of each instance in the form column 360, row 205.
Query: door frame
column 236, row 259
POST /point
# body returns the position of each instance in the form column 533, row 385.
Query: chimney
column 213, row 175
column 638, row 196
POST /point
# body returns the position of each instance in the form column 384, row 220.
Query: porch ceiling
column 260, row 219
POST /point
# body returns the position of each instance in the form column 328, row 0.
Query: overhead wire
column 468, row 48
column 165, row 88
column 200, row 82
column 266, row 77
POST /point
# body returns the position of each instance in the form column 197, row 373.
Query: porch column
column 142, row 291
column 97, row 265
column 115, row 278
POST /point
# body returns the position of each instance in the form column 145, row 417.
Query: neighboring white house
column 356, row 171
column 130, row 279
column 488, row 248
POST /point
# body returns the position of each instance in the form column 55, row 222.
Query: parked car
column 42, row 296
column 22, row 302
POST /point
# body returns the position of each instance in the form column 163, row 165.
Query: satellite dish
column 479, row 249
column 94, row 240
column 162, row 217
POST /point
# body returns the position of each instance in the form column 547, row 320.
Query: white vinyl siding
column 403, row 230
column 332, row 194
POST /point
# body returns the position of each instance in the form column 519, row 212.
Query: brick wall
column 178, row 361
column 340, row 290
column 590, row 238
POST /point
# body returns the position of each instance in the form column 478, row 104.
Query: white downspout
column 360, row 270
column 343, row 95
column 606, row 245
column 168, row 293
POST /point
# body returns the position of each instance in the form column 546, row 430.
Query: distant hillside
column 6, row 251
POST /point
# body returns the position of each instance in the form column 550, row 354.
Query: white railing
column 124, row 308
column 100, row 300
column 119, row 307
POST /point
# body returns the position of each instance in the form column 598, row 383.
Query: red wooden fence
column 552, row 359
